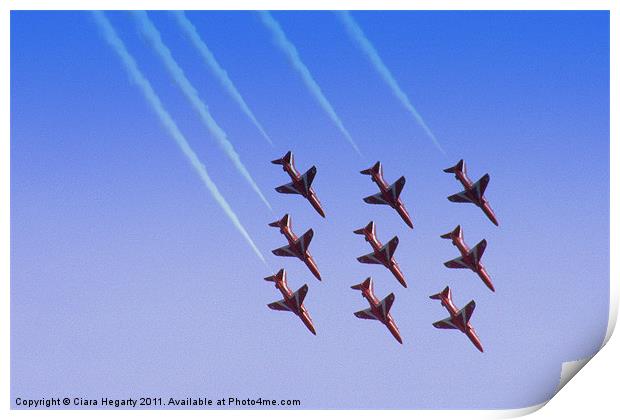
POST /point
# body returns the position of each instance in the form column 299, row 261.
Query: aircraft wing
column 288, row 189
column 279, row 306
column 300, row 295
column 467, row 312
column 371, row 258
column 284, row 251
column 365, row 314
column 457, row 263
column 386, row 304
column 376, row 199
column 481, row 185
column 307, row 178
column 460, row 198
column 389, row 248
column 445, row 324
column 304, row 240
column 397, row 187
column 477, row 251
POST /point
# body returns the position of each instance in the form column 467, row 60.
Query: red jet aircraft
column 388, row 194
column 379, row 311
column 473, row 193
column 382, row 253
column 458, row 320
column 470, row 258
column 301, row 183
column 293, row 302
column 297, row 247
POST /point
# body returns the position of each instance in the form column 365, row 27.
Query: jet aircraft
column 389, row 195
column 474, row 192
column 458, row 320
column 301, row 183
column 470, row 258
column 297, row 247
column 293, row 302
column 379, row 311
column 383, row 254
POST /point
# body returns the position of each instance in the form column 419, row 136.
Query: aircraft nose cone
column 486, row 279
column 473, row 337
column 398, row 274
column 394, row 330
column 486, row 208
column 313, row 268
column 492, row 218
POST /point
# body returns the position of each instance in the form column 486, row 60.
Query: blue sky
column 126, row 276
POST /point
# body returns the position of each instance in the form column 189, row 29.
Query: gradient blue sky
column 127, row 279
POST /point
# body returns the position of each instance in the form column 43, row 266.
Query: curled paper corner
column 518, row 412
column 570, row 369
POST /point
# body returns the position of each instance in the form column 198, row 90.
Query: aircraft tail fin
column 444, row 294
column 370, row 228
column 286, row 159
column 459, row 167
column 376, row 168
column 456, row 233
column 365, row 285
column 278, row 277
column 284, row 221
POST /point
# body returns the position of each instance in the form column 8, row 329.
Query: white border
column 594, row 391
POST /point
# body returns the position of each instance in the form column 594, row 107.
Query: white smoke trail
column 291, row 52
column 154, row 37
column 190, row 30
column 366, row 46
column 112, row 38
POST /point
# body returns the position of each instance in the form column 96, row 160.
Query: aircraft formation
column 381, row 254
